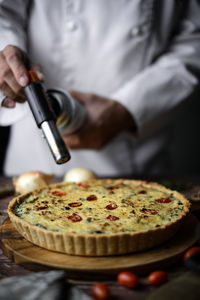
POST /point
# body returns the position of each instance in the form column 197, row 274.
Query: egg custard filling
column 101, row 208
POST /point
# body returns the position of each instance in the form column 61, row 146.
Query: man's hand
column 14, row 64
column 106, row 118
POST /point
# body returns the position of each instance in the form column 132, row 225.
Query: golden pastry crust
column 149, row 200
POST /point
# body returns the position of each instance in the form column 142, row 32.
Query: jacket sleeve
column 13, row 23
column 155, row 94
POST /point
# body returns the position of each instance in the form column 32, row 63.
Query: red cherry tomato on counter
column 128, row 279
column 191, row 251
column 157, row 278
column 100, row 291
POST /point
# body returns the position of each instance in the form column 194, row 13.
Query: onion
column 31, row 180
column 79, row 175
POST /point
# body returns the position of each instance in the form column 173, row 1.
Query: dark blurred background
column 185, row 148
column 4, row 139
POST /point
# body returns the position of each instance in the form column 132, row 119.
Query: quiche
column 99, row 217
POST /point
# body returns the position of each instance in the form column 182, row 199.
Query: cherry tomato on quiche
column 58, row 193
column 100, row 291
column 191, row 251
column 75, row 218
column 83, row 185
column 92, row 198
column 157, row 278
column 128, row 279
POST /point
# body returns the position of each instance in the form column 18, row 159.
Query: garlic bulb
column 31, row 180
column 79, row 175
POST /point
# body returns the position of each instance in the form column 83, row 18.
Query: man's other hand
column 106, row 118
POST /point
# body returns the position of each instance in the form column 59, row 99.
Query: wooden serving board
column 35, row 258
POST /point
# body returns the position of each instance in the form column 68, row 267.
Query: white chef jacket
column 144, row 54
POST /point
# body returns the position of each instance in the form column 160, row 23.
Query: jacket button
column 71, row 25
column 136, row 31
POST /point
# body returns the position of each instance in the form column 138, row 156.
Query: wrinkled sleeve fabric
column 13, row 23
column 153, row 96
